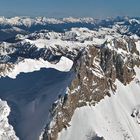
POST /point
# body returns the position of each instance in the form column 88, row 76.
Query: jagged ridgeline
column 49, row 76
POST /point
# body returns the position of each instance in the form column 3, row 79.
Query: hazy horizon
column 74, row 8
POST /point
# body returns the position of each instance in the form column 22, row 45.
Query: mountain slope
column 6, row 130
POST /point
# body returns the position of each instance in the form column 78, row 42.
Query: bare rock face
column 96, row 71
column 122, row 58
column 94, row 136
column 4, row 68
column 136, row 114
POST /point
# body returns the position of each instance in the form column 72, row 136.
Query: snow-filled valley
column 30, row 97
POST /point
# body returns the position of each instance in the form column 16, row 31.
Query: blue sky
column 65, row 8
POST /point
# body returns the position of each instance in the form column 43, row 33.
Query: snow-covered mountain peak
column 28, row 21
column 6, row 130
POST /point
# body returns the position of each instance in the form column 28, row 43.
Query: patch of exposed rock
column 96, row 71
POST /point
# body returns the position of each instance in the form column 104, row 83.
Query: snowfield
column 31, row 65
column 114, row 118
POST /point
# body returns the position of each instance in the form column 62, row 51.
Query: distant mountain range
column 9, row 27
